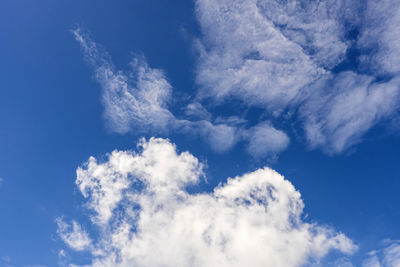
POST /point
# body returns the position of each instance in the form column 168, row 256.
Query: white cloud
column 347, row 106
column 266, row 52
column 380, row 36
column 251, row 220
column 220, row 136
column 138, row 100
column 278, row 55
column 281, row 55
column 197, row 110
column 392, row 256
column 264, row 140
column 141, row 104
column 73, row 235
column 389, row 256
column 342, row 262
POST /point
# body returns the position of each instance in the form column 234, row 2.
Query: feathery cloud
column 290, row 55
column 138, row 101
column 389, row 256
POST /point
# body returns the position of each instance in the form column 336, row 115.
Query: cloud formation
column 137, row 101
column 265, row 139
column 146, row 217
column 336, row 118
column 73, row 235
column 334, row 64
column 386, row 257
column 380, row 37
column 331, row 65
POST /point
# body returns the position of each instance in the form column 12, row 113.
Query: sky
column 199, row 133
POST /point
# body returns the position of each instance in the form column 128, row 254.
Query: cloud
column 333, row 64
column 221, row 137
column 266, row 52
column 336, row 118
column 342, row 262
column 131, row 101
column 197, row 110
column 265, row 140
column 73, row 235
column 137, row 101
column 146, row 217
column 386, row 257
column 380, row 37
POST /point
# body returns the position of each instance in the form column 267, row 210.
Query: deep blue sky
column 51, row 121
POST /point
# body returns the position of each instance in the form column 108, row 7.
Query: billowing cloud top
column 146, row 216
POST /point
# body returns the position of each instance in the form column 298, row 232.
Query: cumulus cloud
column 389, row 256
column 146, row 216
column 289, row 55
column 137, row 101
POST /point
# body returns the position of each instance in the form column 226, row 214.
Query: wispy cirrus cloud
column 380, row 37
column 73, row 235
column 388, row 256
column 137, row 101
column 331, row 63
column 140, row 205
column 344, row 107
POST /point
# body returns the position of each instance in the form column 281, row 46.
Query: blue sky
column 309, row 89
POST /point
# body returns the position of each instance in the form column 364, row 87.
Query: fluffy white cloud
column 146, row 217
column 386, row 257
